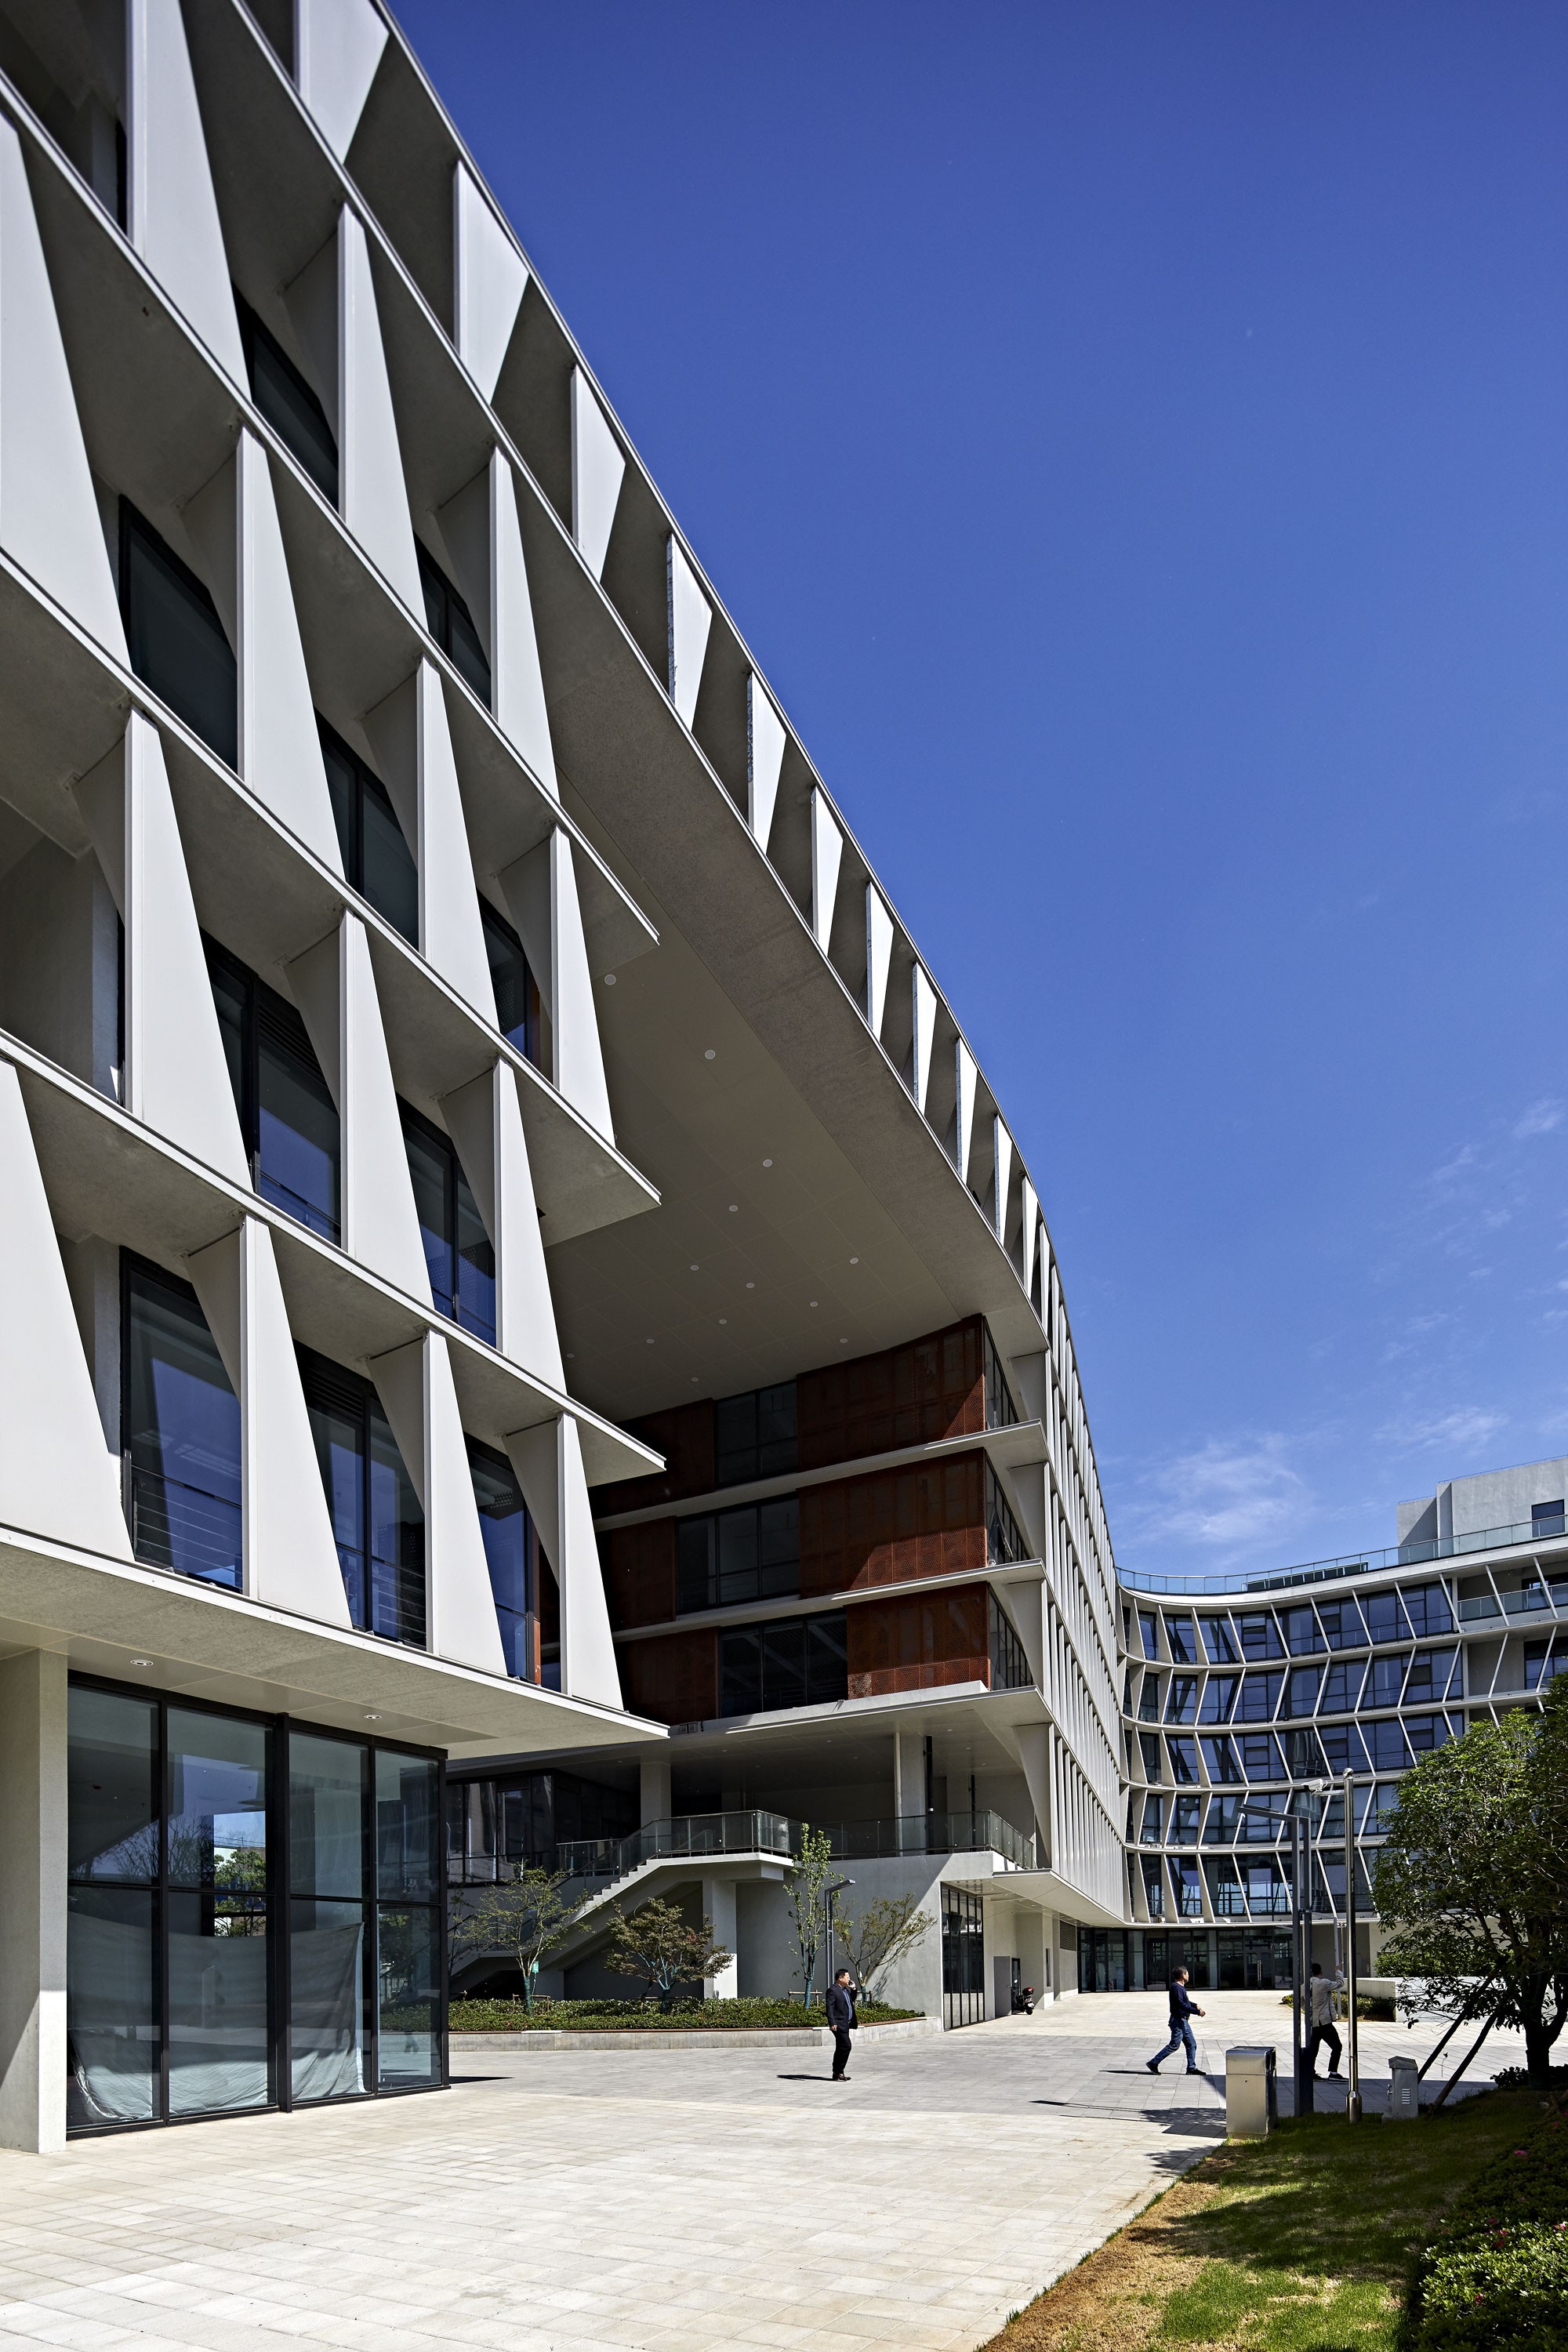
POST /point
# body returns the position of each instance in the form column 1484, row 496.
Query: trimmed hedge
column 633, row 2017
column 1495, row 2279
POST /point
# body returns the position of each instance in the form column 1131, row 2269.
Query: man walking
column 1320, row 1991
column 842, row 2019
column 1181, row 2007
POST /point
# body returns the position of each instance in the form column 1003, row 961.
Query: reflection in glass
column 217, row 1807
column 112, row 1808
column 326, row 1816
column 111, row 2022
column 376, row 1517
column 409, row 1998
column 405, row 1826
column 326, row 1981
column 508, row 1535
column 182, row 1436
column 218, row 2000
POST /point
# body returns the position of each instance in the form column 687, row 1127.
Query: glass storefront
column 963, row 1958
column 255, row 1913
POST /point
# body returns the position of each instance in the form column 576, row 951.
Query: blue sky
column 1134, row 439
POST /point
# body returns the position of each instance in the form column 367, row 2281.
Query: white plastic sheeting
column 49, row 517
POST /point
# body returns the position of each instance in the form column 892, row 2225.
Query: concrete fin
column 827, row 857
column 463, row 1625
column 690, row 618
column 1027, row 1236
column 374, row 493
column 176, row 1077
column 334, row 987
column 412, row 744
column 878, row 957
column 588, row 1667
column 489, row 278
column 925, row 1028
column 173, row 217
column 579, row 1054
column 1002, row 1180
column 56, row 1479
column 597, row 471
column 764, row 758
column 337, row 48
column 290, row 1556
column 485, row 1121
column 964, row 1110
column 49, row 517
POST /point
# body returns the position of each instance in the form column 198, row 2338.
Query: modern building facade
column 461, row 1081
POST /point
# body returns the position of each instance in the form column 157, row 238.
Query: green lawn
column 1300, row 2242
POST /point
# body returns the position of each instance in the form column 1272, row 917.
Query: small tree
column 885, row 1932
column 807, row 1898
column 656, row 1945
column 1472, row 1878
column 526, row 1916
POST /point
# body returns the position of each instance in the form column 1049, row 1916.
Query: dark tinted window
column 1386, row 1620
column 176, row 641
column 377, row 1519
column 451, row 624
column 752, row 1553
column 517, row 998
column 457, row 1249
column 181, row 1435
column 1426, row 1607
column 507, row 1533
column 288, row 403
column 287, row 1115
column 798, row 1661
column 753, row 1435
column 1259, row 1636
column 377, row 860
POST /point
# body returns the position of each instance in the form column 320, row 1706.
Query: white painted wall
column 56, row 1478
column 484, row 541
column 33, row 1914
column 489, row 278
column 173, row 218
column 925, row 1027
column 541, row 893
column 1001, row 1177
column 965, row 1075
column 48, row 515
column 176, row 1076
column 373, row 491
column 548, row 1459
column 878, row 957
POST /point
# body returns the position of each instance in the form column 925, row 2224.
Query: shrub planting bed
column 637, row 2017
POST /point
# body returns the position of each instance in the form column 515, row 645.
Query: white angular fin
column 173, row 217
column 597, row 470
column 489, row 278
column 690, row 618
column 337, row 48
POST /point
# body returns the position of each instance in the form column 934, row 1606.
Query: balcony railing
column 174, row 1525
column 1366, row 1563
column 691, row 1836
column 977, row 1832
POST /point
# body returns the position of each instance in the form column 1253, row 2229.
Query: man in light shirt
column 1320, row 1991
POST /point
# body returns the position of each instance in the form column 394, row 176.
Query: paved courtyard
column 560, row 2202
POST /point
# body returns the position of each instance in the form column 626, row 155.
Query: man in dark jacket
column 1181, row 2007
column 841, row 2018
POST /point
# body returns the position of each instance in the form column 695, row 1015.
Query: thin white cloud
column 1539, row 1119
column 1464, row 1425
column 1224, row 1494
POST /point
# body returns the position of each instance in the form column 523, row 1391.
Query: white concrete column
column 718, row 1908
column 33, row 1902
column 908, row 1776
column 654, row 1790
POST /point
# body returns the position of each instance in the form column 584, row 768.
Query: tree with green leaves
column 657, row 1944
column 885, row 1931
column 807, row 1898
column 526, row 1916
column 1473, row 1880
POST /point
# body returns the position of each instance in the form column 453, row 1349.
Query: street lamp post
column 1352, row 2070
column 834, row 1886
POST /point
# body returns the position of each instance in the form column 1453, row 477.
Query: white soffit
column 964, row 1092
column 1004, row 1178
column 827, row 857
column 489, row 278
column 173, row 217
column 878, row 957
column 375, row 493
column 690, row 618
column 925, row 1026
column 597, row 468
column 764, row 758
column 49, row 516
column 56, row 1476
column 337, row 48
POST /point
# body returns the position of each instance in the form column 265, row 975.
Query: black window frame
column 451, row 623
column 454, row 1184
column 766, row 1581
column 265, row 1010
column 255, row 335
column 332, row 1386
column 367, row 785
column 136, row 532
column 829, row 1626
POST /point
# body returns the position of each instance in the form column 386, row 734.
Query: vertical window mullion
column 160, row 1912
column 280, row 1925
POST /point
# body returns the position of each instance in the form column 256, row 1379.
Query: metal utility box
column 1251, row 2094
column 1404, row 2091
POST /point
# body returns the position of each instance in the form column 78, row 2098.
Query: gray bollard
column 1404, row 2091
column 1251, row 2099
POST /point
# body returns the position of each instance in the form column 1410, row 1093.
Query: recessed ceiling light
column 751, row 1286
column 767, row 1163
column 373, row 1718
column 694, row 1380
column 844, row 1343
column 723, row 1319
column 609, row 980
column 647, row 1343
column 854, row 1261
column 141, row 1662
column 709, row 1054
column 734, row 1208
column 813, row 1302
column 695, row 1269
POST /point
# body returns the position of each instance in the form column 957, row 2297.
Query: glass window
column 1221, row 1760
column 1261, row 1758
column 1188, row 1889
column 377, row 860
column 288, row 403
column 451, row 624
column 1426, row 1732
column 1303, row 1757
column 1149, row 1745
column 175, row 639
column 1259, row 1636
column 1384, row 1677
column 509, row 1540
column 1386, row 1620
column 1344, row 1747
column 287, row 1115
column 1179, row 1635
column 1219, row 1641
column 112, row 2042
column 219, row 2045
column 1381, row 1802
column 1149, row 1699
column 407, row 1862
column 377, row 1520
column 1183, row 1703
column 754, row 1435
column 797, row 1662
column 458, row 1252
column 112, row 1787
column 182, row 1433
column 1225, row 1889
column 1185, row 1812
column 1302, row 1633
column 1153, row 1820
column 1153, row 1886
column 516, row 995
column 410, row 2000
column 751, row 1553
column 1223, row 1824
column 1259, row 1697
column 1343, row 1627
column 1386, row 1742
column 1426, row 1607
column 1434, row 1674
column 1302, row 1694
column 1267, row 1889
column 1219, row 1699
column 1342, row 1688
column 1546, row 1518
column 1183, row 1759
column 1263, row 1819
column 1147, row 1633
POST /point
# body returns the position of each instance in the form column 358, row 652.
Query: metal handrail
column 1366, row 1563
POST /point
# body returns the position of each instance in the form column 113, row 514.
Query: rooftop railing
column 1366, row 1563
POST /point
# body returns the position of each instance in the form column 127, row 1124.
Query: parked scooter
column 1024, row 2000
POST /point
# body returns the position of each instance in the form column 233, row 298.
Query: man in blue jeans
column 1181, row 2007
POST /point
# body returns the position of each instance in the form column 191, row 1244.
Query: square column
column 654, row 1800
column 33, row 1902
column 719, row 1905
